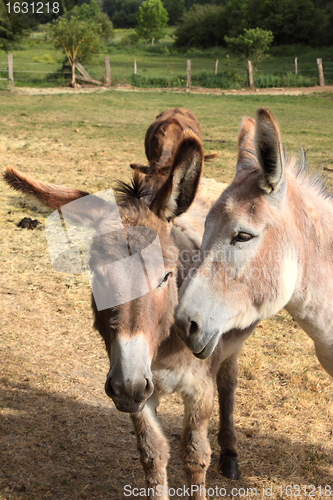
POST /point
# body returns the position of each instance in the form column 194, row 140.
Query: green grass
column 38, row 64
column 75, row 120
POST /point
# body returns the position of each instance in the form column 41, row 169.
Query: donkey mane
column 136, row 189
column 314, row 180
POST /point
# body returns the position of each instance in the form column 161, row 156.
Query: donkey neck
column 309, row 220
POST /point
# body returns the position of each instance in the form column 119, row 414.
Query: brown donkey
column 162, row 139
column 147, row 359
column 267, row 245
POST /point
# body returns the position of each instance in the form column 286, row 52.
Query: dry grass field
column 61, row 437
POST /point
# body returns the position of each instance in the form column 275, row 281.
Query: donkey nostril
column 108, row 388
column 149, row 387
column 194, row 328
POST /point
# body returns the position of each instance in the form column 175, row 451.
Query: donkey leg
column 154, row 450
column 325, row 357
column 226, row 386
column 195, row 448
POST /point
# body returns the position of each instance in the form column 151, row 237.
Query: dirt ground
column 61, row 437
column 193, row 90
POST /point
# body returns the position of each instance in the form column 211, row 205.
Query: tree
column 78, row 39
column 234, row 19
column 17, row 19
column 92, row 12
column 175, row 10
column 11, row 27
column 252, row 46
column 198, row 26
column 152, row 20
column 122, row 12
column 291, row 21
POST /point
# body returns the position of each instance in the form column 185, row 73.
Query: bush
column 129, row 40
column 229, row 79
column 252, row 46
column 287, row 80
column 199, row 26
column 152, row 81
column 226, row 80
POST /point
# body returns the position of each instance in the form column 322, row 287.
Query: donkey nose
column 135, row 390
column 195, row 327
column 191, row 327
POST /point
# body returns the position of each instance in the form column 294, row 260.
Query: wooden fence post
column 108, row 71
column 216, row 65
column 10, row 72
column 250, row 73
column 321, row 72
column 296, row 67
column 135, row 67
column 188, row 75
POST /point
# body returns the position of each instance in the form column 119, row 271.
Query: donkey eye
column 242, row 237
column 165, row 279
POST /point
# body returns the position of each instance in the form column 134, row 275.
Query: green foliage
column 233, row 20
column 10, row 30
column 175, row 9
column 78, row 39
column 327, row 31
column 92, row 13
column 225, row 80
column 152, row 20
column 291, row 21
column 287, row 80
column 198, row 26
column 122, row 12
column 252, row 45
column 129, row 40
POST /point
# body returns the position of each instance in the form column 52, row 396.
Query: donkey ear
column 141, row 168
column 269, row 151
column 178, row 191
column 246, row 153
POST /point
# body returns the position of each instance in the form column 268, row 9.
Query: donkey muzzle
column 129, row 382
column 129, row 397
column 190, row 330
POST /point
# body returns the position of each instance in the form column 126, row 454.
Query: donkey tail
column 51, row 195
column 210, row 157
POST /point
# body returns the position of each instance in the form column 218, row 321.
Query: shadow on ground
column 57, row 448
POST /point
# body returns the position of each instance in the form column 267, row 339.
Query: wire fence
column 141, row 74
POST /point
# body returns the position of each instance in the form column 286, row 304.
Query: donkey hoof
column 229, row 468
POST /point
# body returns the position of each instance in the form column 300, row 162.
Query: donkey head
column 134, row 329
column 248, row 269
